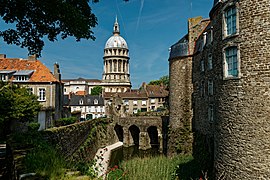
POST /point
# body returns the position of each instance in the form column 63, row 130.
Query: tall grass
column 153, row 168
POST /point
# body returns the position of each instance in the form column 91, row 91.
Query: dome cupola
column 116, row 41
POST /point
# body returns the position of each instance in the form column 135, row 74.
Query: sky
column 150, row 28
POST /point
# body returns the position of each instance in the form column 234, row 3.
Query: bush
column 65, row 121
column 33, row 126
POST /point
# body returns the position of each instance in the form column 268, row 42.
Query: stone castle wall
column 181, row 88
column 80, row 141
column 238, row 137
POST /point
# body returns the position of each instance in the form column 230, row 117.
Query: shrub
column 65, row 121
column 33, row 126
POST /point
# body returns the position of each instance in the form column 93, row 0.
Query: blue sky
column 150, row 27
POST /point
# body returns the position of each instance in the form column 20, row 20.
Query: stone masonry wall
column 181, row 89
column 240, row 127
column 81, row 141
column 180, row 106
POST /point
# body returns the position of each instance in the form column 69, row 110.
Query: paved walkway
column 103, row 158
column 2, row 160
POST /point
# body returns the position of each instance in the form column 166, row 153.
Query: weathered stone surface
column 240, row 127
column 80, row 141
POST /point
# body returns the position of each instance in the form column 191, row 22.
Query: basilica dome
column 116, row 41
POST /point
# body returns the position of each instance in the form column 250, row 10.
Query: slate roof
column 137, row 94
column 88, row 100
column 40, row 72
column 156, row 91
column 142, row 93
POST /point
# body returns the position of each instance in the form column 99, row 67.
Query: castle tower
column 180, row 99
column 116, row 77
column 231, row 80
column 241, row 53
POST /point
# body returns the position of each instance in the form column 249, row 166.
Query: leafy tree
column 17, row 104
column 162, row 80
column 34, row 19
column 97, row 90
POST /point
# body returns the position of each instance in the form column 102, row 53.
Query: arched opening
column 119, row 132
column 135, row 133
column 153, row 135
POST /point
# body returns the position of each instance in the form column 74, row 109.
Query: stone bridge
column 144, row 131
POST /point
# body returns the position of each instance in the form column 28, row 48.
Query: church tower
column 116, row 77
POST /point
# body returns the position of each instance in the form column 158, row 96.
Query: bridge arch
column 135, row 134
column 119, row 132
column 153, row 135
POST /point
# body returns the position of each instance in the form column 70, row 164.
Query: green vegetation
column 97, row 90
column 152, row 168
column 37, row 20
column 162, row 80
column 17, row 104
column 65, row 121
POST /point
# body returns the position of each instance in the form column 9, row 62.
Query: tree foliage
column 17, row 103
column 32, row 20
column 162, row 80
column 97, row 90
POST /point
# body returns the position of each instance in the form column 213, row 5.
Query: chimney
column 3, row 56
column 32, row 57
column 57, row 71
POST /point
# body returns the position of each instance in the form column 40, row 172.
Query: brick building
column 230, row 97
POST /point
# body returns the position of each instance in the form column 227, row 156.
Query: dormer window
column 23, row 75
column 3, row 77
column 81, row 102
column 6, row 74
column 22, row 78
column 95, row 101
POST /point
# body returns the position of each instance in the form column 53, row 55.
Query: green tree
column 17, row 104
column 162, row 80
column 97, row 90
column 32, row 20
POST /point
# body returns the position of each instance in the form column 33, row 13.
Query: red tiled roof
column 41, row 72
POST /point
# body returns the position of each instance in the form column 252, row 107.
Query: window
column 231, row 62
column 22, row 78
column 30, row 90
column 135, row 102
column 211, row 113
column 202, row 65
column 153, row 100
column 2, row 77
column 126, row 102
column 81, row 102
column 42, row 94
column 230, row 21
column 143, row 102
column 95, row 101
column 204, row 38
column 210, row 87
column 210, row 62
column 202, row 89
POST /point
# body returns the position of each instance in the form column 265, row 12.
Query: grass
column 41, row 157
column 150, row 168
